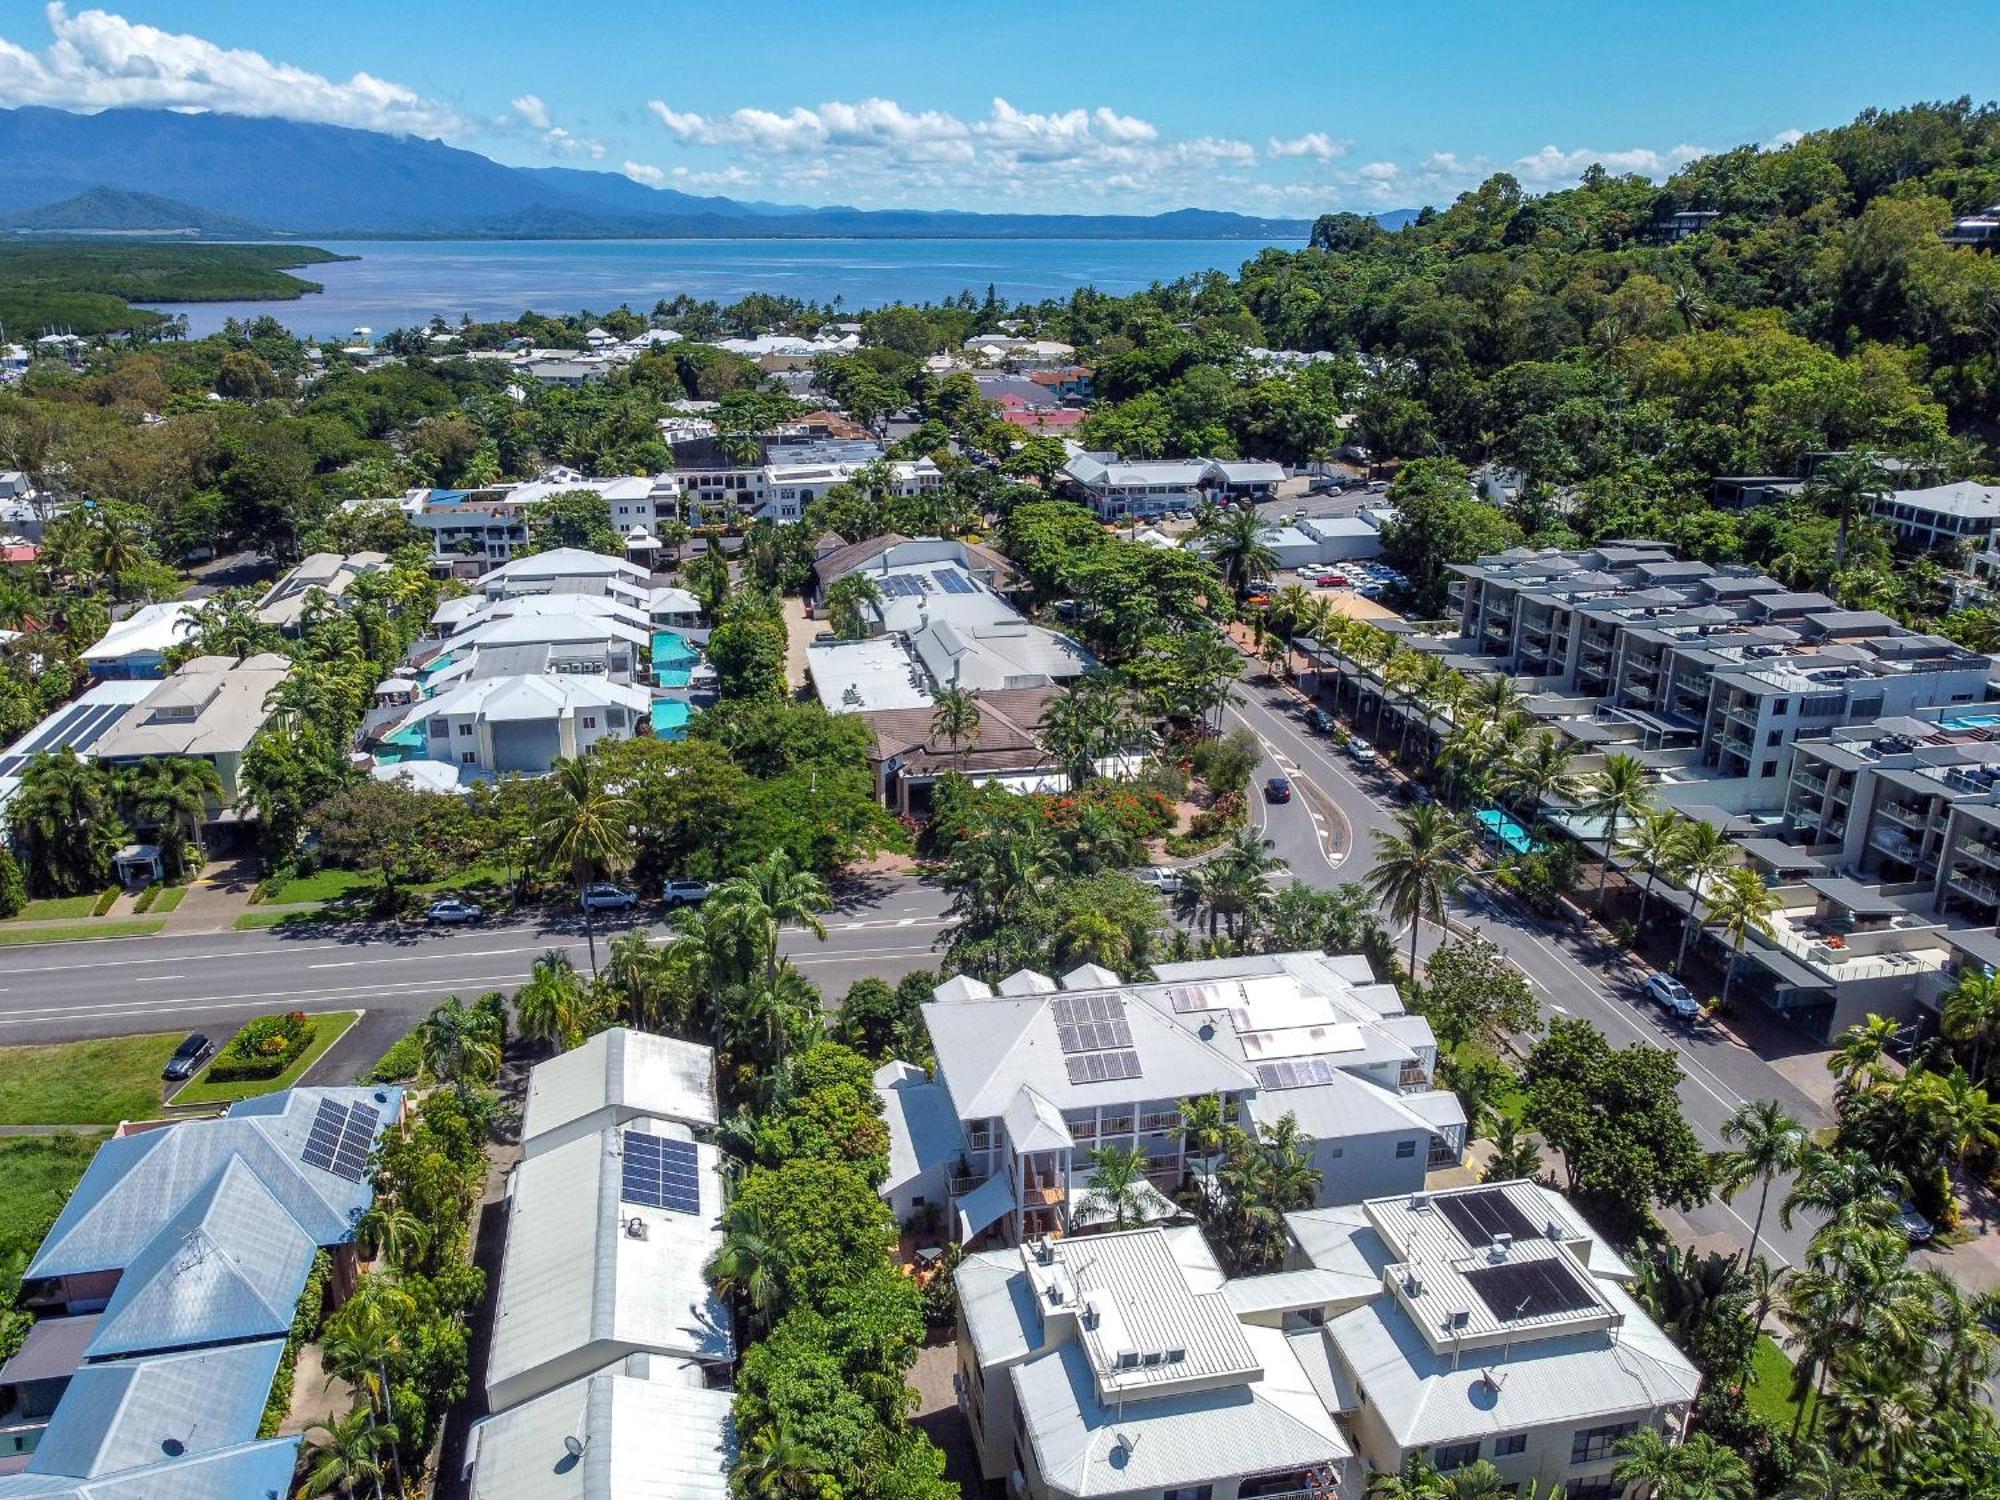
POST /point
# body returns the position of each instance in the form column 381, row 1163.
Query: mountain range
column 234, row 174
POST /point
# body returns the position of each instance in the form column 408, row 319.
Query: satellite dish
column 573, row 1445
column 173, row 1447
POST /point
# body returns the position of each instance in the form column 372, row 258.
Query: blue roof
column 230, row 1265
column 249, row 1471
column 138, row 1182
column 127, row 1414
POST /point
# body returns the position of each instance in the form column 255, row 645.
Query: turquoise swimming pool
column 1498, row 826
column 1971, row 721
column 670, row 719
column 673, row 659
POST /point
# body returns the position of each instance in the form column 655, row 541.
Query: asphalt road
column 1573, row 975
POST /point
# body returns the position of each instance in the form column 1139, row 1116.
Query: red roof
column 1045, row 418
column 19, row 556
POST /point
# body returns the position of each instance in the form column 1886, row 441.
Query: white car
column 604, row 896
column 1360, row 751
column 1673, row 997
column 1159, row 877
column 686, row 892
column 453, row 913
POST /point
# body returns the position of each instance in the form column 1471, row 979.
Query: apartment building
column 1043, row 1072
column 523, row 724
column 1476, row 1323
column 1943, row 515
column 209, row 709
column 792, row 476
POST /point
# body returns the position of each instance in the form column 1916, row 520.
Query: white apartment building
column 1036, row 1076
column 782, row 489
column 524, row 724
column 1943, row 515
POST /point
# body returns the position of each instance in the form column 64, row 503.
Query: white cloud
column 1381, row 171
column 639, row 171
column 531, row 109
column 96, row 60
column 871, row 124
column 1316, row 144
column 1785, row 138
column 1127, row 129
column 1552, row 165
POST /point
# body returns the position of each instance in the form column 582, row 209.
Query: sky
column 1276, row 107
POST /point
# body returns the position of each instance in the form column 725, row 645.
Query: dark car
column 1277, row 789
column 188, row 1057
column 1319, row 721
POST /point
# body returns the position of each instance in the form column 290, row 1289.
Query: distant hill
column 105, row 210
column 1398, row 218
column 329, row 181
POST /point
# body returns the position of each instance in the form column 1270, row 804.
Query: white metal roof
column 923, row 1131
column 658, row 1437
column 150, row 630
column 617, row 1074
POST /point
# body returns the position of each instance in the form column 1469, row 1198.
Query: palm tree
column 1514, row 1156
column 553, row 1005
column 1417, row 870
column 1654, row 1467
column 1704, row 854
column 763, row 1014
column 1857, row 1051
column 1972, row 1013
column 173, row 796
column 65, row 820
column 1848, row 486
column 1766, row 1141
column 1236, row 542
column 750, row 1266
column 1117, row 1187
column 771, row 895
column 1620, row 795
column 778, row 1466
column 1821, row 1476
column 113, row 547
column 1545, row 773
column 348, row 1456
column 1742, row 906
column 396, row 1233
column 846, row 599
column 1652, row 845
column 1847, row 1187
column 588, row 829
column 955, row 720
column 1205, row 1128
column 458, row 1046
column 1235, row 884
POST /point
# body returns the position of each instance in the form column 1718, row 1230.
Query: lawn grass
column 321, row 885
column 168, row 899
column 36, row 1173
column 311, row 916
column 56, row 908
column 1770, row 1389
column 329, row 1026
column 82, row 931
column 97, row 1082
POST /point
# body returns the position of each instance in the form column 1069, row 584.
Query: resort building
column 490, row 726
column 209, row 709
column 1945, row 515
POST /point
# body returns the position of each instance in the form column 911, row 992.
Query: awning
column 984, row 1206
column 1856, row 897
column 53, row 1350
column 1781, row 856
column 1788, row 971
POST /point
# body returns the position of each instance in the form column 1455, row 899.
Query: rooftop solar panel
column 659, row 1172
column 1517, row 1290
column 1481, row 1217
column 89, row 734
column 54, row 734
column 323, row 1140
column 1102, row 1067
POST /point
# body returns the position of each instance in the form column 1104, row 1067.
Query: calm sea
column 396, row 284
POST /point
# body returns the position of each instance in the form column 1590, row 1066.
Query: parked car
column 1360, row 751
column 1261, row 586
column 1332, row 580
column 686, row 892
column 1277, row 789
column 1376, row 486
column 1414, row 791
column 188, row 1058
column 1319, row 721
column 1325, row 486
column 453, row 912
column 1370, row 591
column 1161, row 878
column 604, row 896
column 1910, row 1219
column 1673, row 997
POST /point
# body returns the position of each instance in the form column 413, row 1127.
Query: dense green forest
column 86, row 287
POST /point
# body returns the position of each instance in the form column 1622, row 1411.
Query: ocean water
column 399, row 283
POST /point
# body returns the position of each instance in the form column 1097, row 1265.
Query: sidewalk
column 215, row 898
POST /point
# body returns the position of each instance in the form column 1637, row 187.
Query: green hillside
column 87, row 287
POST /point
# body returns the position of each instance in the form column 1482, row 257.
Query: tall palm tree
column 955, row 720
column 1847, row 1187
column 1765, row 1141
column 1652, row 845
column 1742, row 905
column 1848, row 486
column 1236, row 542
column 65, row 820
column 1417, row 869
column 771, row 895
column 173, row 796
column 1702, row 857
column 114, row 546
column 776, row 1465
column 1620, row 795
column 1235, row 884
column 1857, row 1051
column 762, row 1015
column 588, row 829
column 750, row 1266
column 347, row 1460
column 1822, row 1476
column 1654, row 1467
column 1205, row 1127
column 1972, row 1013
column 458, row 1045
column 846, row 599
column 553, row 1005
column 1545, row 772
column 1117, row 1186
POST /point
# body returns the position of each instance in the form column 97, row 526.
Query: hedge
column 106, row 901
column 263, row 1048
column 305, row 1328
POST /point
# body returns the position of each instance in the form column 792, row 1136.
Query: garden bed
column 327, row 1027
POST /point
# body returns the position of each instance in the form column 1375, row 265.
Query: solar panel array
column 1482, row 1217
column 1102, row 1067
column 900, row 586
column 661, row 1172
column 953, row 582
column 340, row 1137
column 1523, row 1289
column 1294, row 1073
column 78, row 728
column 1096, row 1038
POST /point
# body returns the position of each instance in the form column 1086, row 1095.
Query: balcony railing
column 1983, row 891
column 1595, row 647
column 1901, row 812
column 1980, row 853
column 1414, row 1076
column 960, row 1186
column 1166, row 1124
column 1814, row 784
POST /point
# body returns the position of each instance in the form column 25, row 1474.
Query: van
column 1376, row 486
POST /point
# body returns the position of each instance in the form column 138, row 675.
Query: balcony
column 1414, row 1078
column 1164, row 1124
column 1894, row 844
column 1740, row 712
column 1902, row 813
column 1983, row 891
column 1980, row 853
column 1643, row 668
column 1595, row 646
column 960, row 1186
column 1637, row 693
column 1814, row 784
column 1738, row 744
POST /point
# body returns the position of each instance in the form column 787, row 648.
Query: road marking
column 147, row 979
column 907, row 922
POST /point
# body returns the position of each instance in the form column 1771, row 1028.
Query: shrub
column 105, row 902
column 403, row 1061
column 263, row 1048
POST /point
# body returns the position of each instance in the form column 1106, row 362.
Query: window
column 1781, row 707
column 1451, row 1456
column 1335, row 1153
column 917, row 1201
column 1509, row 1445
column 1770, row 768
column 469, row 757
column 466, row 727
column 1596, row 1443
column 590, row 721
column 1405, row 1149
column 1191, row 1492
column 439, row 726
column 1775, row 737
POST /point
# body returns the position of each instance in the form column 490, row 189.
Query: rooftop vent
column 635, row 1228
column 1460, row 1317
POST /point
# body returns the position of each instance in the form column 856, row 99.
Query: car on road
column 1161, row 878
column 604, row 896
column 685, row 892
column 1328, row 486
column 1319, row 721
column 1673, row 997
column 188, row 1058
column 1376, row 486
column 453, row 912
column 1278, row 789
column 1360, row 751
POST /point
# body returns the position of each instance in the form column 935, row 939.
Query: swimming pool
column 1971, row 721
column 670, row 719
column 1499, row 826
column 673, row 659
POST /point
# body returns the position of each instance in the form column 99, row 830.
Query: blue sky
column 1097, row 106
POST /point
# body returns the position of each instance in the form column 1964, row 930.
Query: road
column 1573, row 976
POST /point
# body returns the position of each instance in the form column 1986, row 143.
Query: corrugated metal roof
column 230, row 1265
column 659, row 1438
column 923, row 1131
column 624, row 1072
column 133, row 1413
column 137, row 1182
